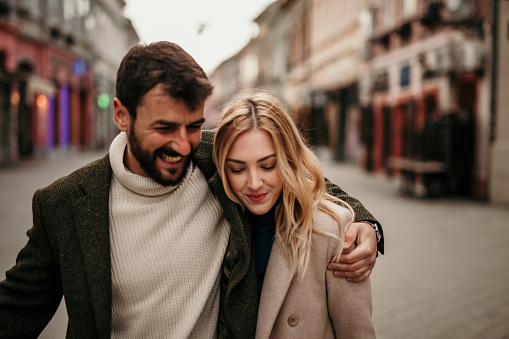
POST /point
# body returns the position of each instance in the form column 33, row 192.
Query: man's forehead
column 159, row 95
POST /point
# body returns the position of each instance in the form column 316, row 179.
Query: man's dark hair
column 166, row 63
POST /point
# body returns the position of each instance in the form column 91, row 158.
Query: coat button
column 293, row 320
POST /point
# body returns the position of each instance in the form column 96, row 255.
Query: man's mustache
column 171, row 152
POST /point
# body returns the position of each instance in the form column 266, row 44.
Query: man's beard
column 147, row 161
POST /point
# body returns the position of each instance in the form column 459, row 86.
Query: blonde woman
column 297, row 227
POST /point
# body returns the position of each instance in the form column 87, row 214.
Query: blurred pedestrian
column 266, row 167
column 135, row 240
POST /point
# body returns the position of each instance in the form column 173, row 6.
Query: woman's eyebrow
column 267, row 157
column 236, row 161
column 243, row 162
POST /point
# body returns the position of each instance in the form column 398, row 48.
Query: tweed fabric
column 67, row 253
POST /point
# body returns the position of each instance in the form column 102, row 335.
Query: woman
column 266, row 167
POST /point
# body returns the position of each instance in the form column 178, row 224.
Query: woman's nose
column 255, row 182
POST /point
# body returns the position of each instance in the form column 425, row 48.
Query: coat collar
column 91, row 217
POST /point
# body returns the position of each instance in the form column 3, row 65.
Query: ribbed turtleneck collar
column 139, row 184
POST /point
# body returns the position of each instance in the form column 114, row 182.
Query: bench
column 420, row 178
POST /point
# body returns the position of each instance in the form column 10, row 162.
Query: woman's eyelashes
column 268, row 168
column 237, row 170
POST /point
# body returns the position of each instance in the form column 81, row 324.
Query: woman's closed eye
column 236, row 170
column 269, row 167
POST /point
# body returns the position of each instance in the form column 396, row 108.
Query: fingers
column 361, row 278
column 359, row 254
column 353, row 234
column 355, row 266
column 357, row 275
column 350, row 236
column 355, row 269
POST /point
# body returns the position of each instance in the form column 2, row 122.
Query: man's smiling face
column 163, row 137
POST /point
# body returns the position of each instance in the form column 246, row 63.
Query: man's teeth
column 167, row 158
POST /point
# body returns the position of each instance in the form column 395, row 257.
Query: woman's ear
column 120, row 115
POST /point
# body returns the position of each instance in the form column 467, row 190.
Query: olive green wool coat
column 68, row 254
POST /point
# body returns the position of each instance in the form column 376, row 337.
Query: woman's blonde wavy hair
column 303, row 182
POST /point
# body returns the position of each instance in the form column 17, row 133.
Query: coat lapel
column 91, row 217
column 275, row 287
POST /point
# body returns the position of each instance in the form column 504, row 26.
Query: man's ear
column 120, row 115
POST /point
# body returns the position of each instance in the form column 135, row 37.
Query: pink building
column 57, row 57
column 46, row 95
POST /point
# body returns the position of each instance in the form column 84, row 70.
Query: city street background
column 444, row 275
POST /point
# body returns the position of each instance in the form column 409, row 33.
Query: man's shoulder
column 203, row 154
column 207, row 137
column 94, row 173
column 206, row 145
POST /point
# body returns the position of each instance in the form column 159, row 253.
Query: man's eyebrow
column 197, row 122
column 171, row 123
column 164, row 123
column 243, row 162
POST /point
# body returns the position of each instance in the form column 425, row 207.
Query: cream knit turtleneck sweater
column 167, row 246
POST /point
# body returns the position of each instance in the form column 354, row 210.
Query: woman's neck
column 265, row 219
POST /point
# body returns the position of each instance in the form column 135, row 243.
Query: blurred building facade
column 428, row 94
column 57, row 58
column 402, row 87
column 499, row 179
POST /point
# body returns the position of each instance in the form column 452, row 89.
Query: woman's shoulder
column 324, row 222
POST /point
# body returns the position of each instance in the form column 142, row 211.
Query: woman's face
column 251, row 171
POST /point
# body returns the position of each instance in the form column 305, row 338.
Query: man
column 135, row 241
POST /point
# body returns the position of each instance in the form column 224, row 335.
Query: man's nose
column 181, row 142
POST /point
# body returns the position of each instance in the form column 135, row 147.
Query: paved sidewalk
column 445, row 273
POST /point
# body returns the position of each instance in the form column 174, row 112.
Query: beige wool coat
column 320, row 305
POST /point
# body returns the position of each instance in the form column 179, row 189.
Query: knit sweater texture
column 167, row 245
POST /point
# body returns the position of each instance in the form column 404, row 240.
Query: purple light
column 65, row 114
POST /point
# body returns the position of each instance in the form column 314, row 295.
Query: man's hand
column 359, row 253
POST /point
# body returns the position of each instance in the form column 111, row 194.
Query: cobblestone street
column 445, row 273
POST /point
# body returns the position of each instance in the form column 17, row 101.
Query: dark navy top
column 264, row 229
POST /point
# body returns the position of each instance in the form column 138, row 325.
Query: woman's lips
column 257, row 197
